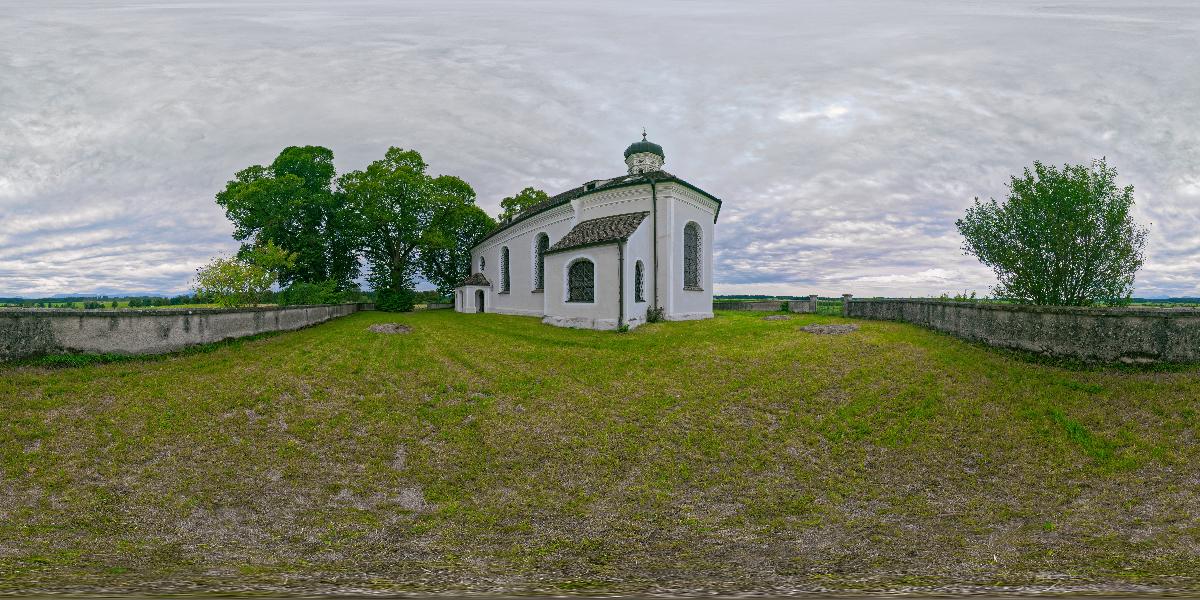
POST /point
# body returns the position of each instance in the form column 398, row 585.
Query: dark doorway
column 478, row 301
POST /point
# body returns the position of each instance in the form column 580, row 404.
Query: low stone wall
column 796, row 306
column 26, row 332
column 1131, row 335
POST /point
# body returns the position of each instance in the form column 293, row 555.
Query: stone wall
column 796, row 306
column 26, row 332
column 1130, row 335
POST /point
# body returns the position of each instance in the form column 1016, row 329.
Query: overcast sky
column 844, row 137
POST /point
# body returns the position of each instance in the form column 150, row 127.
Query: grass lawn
column 494, row 453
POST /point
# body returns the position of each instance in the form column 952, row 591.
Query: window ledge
column 502, row 293
column 691, row 288
column 581, row 301
column 538, row 291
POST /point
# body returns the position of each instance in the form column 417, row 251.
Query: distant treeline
column 302, row 294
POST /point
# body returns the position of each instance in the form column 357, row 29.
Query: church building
column 604, row 254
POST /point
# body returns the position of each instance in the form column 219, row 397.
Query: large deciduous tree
column 510, row 206
column 446, row 260
column 411, row 223
column 1061, row 237
column 293, row 204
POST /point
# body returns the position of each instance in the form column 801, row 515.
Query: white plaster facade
column 671, row 205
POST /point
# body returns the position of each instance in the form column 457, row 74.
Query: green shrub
column 312, row 293
column 395, row 301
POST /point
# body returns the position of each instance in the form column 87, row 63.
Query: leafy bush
column 317, row 293
column 234, row 282
column 395, row 301
column 654, row 315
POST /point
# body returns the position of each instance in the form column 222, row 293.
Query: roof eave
column 591, row 245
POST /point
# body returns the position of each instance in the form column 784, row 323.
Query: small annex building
column 603, row 254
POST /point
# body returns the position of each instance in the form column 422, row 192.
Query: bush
column 234, row 282
column 654, row 315
column 395, row 301
column 316, row 293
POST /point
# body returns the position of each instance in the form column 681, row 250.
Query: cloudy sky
column 844, row 137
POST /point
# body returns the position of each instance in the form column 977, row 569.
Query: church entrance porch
column 478, row 301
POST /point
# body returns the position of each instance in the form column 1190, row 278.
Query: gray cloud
column 845, row 137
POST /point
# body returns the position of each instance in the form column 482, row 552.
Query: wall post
column 846, row 304
column 812, row 303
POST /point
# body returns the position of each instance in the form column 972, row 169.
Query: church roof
column 475, row 279
column 644, row 146
column 590, row 187
column 604, row 230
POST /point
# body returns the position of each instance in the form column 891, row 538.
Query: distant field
column 494, row 453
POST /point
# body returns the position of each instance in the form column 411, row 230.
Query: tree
column 520, row 201
column 1062, row 237
column 244, row 279
column 446, row 259
column 409, row 222
column 292, row 204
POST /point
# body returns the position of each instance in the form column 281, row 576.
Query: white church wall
column 521, row 298
column 638, row 248
column 598, row 314
column 684, row 206
column 465, row 299
column 615, row 202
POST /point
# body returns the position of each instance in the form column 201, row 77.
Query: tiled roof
column 600, row 231
column 587, row 188
column 475, row 279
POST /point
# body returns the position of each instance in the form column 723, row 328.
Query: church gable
column 604, row 230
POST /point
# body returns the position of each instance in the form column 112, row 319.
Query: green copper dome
column 644, row 146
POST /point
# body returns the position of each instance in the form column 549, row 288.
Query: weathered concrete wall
column 25, row 332
column 796, row 306
column 1090, row 334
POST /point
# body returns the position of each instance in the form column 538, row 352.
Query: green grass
column 486, row 452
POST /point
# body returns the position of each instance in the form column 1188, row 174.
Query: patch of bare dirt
column 829, row 329
column 389, row 328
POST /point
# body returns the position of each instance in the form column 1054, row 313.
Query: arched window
column 539, row 261
column 504, row 279
column 581, row 281
column 639, row 282
column 691, row 256
column 482, row 264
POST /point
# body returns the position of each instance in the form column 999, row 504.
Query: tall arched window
column 539, row 261
column 691, row 256
column 581, row 281
column 639, row 282
column 504, row 279
column 482, row 264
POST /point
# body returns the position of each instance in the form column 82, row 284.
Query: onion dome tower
column 644, row 156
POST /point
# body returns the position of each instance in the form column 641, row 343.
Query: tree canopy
column 1061, row 237
column 403, row 221
column 412, row 223
column 292, row 203
column 510, row 206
